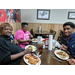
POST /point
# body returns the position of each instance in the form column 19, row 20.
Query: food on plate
column 32, row 59
column 31, row 47
column 27, row 56
column 34, row 40
column 37, row 60
column 62, row 54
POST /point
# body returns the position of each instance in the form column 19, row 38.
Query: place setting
column 56, row 52
column 61, row 54
column 39, row 38
column 32, row 58
column 32, row 47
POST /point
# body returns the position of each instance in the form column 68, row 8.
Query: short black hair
column 72, row 25
column 24, row 23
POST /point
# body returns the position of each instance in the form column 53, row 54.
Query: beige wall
column 47, row 27
column 34, row 26
column 59, row 16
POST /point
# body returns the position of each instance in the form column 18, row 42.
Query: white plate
column 26, row 60
column 32, row 46
column 55, row 52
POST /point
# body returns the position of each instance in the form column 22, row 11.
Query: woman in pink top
column 23, row 36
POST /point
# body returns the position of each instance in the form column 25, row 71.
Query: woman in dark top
column 10, row 53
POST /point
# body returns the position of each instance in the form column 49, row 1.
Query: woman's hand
column 15, row 56
column 27, row 51
column 15, row 42
column 29, row 40
column 30, row 35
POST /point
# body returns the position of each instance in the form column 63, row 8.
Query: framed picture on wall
column 43, row 14
column 71, row 15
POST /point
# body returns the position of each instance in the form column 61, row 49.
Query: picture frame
column 43, row 14
column 71, row 15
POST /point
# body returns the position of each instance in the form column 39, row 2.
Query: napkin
column 50, row 42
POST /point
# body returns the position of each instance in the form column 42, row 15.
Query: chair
column 61, row 40
column 31, row 31
column 53, row 33
column 61, row 34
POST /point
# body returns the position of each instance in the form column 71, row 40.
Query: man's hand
column 63, row 47
column 71, row 61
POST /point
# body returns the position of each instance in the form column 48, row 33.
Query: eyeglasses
column 25, row 27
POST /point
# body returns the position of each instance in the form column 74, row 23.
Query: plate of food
column 31, row 47
column 31, row 59
column 61, row 54
column 34, row 40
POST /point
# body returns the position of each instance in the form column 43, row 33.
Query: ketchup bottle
column 46, row 42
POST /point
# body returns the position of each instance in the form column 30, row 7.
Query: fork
column 37, row 53
column 57, row 59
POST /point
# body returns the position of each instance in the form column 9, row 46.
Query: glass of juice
column 40, row 46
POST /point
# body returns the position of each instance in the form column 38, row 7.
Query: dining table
column 41, row 33
column 44, row 33
column 48, row 57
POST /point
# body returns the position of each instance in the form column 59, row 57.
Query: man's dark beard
column 66, row 36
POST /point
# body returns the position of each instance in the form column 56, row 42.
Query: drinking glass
column 40, row 46
column 53, row 44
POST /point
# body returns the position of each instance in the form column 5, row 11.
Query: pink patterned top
column 24, row 36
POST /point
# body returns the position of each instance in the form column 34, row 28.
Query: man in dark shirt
column 68, row 29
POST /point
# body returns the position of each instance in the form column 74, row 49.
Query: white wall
column 56, row 16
